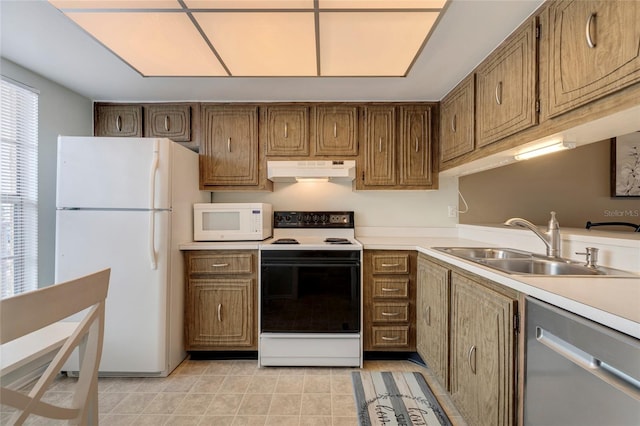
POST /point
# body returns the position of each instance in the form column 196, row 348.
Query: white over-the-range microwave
column 232, row 221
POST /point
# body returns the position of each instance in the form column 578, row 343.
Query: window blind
column 19, row 186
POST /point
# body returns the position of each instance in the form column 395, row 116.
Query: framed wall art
column 625, row 165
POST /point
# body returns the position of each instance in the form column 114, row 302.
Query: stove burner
column 286, row 241
column 332, row 240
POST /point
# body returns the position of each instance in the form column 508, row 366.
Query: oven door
column 310, row 291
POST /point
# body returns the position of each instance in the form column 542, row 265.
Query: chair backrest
column 31, row 311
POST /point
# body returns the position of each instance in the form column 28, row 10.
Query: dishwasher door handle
column 606, row 372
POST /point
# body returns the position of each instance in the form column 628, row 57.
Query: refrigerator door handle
column 152, row 202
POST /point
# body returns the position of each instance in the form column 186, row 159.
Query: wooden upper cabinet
column 118, row 120
column 285, row 130
column 415, row 145
column 379, row 134
column 336, row 130
column 457, row 130
column 593, row 51
column 168, row 121
column 229, row 152
column 506, row 87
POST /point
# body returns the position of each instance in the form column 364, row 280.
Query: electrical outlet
column 453, row 211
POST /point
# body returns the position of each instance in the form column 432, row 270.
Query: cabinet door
column 286, row 130
column 506, row 84
column 482, row 353
column 229, row 152
column 118, row 120
column 168, row 121
column 336, row 130
column 432, row 321
column 221, row 312
column 457, row 130
column 379, row 123
column 593, row 51
column 415, row 146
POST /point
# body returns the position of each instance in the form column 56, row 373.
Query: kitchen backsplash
column 372, row 208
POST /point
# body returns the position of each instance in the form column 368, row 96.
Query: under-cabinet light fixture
column 311, row 179
column 558, row 146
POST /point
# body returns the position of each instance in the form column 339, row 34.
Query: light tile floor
column 235, row 392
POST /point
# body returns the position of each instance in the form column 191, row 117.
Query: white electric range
column 311, row 291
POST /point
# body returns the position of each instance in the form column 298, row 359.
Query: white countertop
column 614, row 302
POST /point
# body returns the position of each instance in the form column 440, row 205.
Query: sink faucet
column 551, row 238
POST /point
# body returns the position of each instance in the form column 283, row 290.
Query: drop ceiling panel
column 263, row 44
column 249, row 4
column 120, row 4
column 155, row 44
column 371, row 43
column 381, row 4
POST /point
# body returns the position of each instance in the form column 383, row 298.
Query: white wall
column 372, row 208
column 61, row 111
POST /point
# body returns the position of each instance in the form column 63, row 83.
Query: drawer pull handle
column 391, row 339
column 119, row 123
column 499, row 93
column 390, row 314
column 166, row 123
column 587, row 31
column 428, row 315
column 219, row 312
column 472, row 352
column 219, row 265
column 335, row 130
column 390, row 265
column 416, row 144
column 286, row 130
column 229, row 145
column 390, row 289
column 454, row 124
column 380, row 144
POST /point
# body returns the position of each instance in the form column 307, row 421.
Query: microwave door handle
column 152, row 202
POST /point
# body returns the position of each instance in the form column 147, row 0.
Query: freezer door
column 135, row 338
column 119, row 173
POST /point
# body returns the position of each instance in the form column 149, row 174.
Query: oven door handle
column 303, row 264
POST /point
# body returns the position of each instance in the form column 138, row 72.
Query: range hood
column 290, row 171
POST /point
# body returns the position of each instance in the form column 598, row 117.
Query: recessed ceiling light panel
column 153, row 43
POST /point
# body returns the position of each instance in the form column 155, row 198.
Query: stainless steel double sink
column 518, row 262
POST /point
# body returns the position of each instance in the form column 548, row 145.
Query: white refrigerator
column 126, row 204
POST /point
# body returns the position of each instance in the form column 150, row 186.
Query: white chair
column 25, row 322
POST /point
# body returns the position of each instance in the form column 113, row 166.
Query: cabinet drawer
column 391, row 312
column 390, row 336
column 391, row 287
column 222, row 264
column 390, row 263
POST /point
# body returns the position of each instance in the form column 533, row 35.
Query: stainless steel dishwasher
column 578, row 372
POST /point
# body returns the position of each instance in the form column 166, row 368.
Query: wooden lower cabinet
column 432, row 317
column 467, row 335
column 221, row 300
column 389, row 300
column 483, row 357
